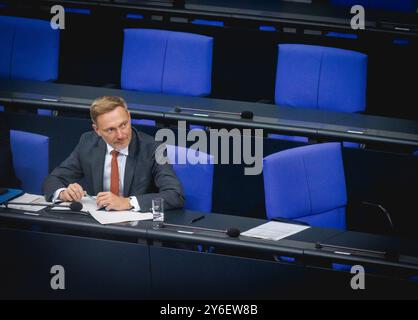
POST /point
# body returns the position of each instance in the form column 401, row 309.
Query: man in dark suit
column 7, row 174
column 118, row 164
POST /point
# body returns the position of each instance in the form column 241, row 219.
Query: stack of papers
column 29, row 198
column 274, row 230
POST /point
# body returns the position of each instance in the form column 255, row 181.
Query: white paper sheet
column 274, row 230
column 107, row 217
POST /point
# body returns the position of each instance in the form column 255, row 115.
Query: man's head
column 112, row 121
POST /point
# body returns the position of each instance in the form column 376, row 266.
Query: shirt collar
column 124, row 151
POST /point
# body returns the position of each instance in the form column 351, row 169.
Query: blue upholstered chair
column 29, row 50
column 166, row 62
column 30, row 159
column 307, row 184
column 321, row 78
column 196, row 178
column 389, row 5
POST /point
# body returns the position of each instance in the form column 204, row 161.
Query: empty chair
column 30, row 159
column 321, row 78
column 196, row 176
column 29, row 50
column 167, row 62
column 307, row 184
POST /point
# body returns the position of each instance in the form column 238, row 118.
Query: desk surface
column 296, row 121
column 402, row 253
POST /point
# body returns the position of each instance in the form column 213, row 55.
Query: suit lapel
column 130, row 163
column 98, row 166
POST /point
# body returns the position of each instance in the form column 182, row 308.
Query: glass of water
column 157, row 212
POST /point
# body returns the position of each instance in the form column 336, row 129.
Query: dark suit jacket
column 144, row 177
column 7, row 173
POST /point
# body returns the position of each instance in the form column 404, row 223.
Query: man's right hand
column 74, row 192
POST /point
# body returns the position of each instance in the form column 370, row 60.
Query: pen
column 89, row 196
column 197, row 219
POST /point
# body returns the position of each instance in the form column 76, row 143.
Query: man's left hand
column 112, row 201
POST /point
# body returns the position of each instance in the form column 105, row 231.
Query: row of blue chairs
column 181, row 63
column 305, row 183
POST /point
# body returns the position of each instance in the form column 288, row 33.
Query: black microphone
column 76, row 206
column 231, row 232
column 243, row 114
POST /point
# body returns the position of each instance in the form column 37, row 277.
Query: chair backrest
column 390, row 5
column 321, row 78
column 167, row 62
column 307, row 184
column 30, row 159
column 29, row 49
column 196, row 176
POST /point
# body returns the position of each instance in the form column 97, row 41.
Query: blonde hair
column 104, row 105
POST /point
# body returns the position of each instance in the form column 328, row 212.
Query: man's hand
column 74, row 192
column 112, row 201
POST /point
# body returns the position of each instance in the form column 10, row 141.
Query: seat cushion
column 321, row 78
column 195, row 172
column 30, row 159
column 7, row 31
column 143, row 60
column 304, row 181
column 36, row 51
column 329, row 219
column 167, row 62
column 29, row 49
column 188, row 64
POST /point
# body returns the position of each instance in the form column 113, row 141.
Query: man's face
column 115, row 128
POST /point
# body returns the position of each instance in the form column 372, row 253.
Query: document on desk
column 107, row 217
column 29, row 198
column 274, row 230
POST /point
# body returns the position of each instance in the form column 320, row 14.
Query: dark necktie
column 114, row 173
